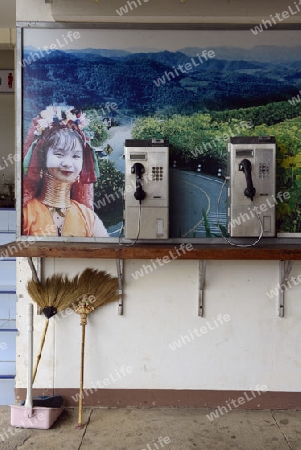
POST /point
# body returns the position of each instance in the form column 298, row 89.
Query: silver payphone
column 146, row 202
column 251, row 194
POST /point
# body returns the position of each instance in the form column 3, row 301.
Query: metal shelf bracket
column 120, row 272
column 36, row 270
column 285, row 268
column 202, row 274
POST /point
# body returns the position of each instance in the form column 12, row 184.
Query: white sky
column 171, row 40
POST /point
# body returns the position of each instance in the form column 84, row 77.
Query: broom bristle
column 99, row 284
column 62, row 293
column 35, row 291
column 57, row 291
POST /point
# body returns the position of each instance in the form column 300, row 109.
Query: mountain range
column 147, row 83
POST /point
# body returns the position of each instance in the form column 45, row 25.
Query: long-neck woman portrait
column 60, row 201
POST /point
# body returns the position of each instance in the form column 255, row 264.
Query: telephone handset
column 246, row 167
column 138, row 170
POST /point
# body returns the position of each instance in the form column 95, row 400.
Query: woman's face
column 65, row 162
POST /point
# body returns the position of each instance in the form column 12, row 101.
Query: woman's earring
column 41, row 173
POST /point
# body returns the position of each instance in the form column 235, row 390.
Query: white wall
column 255, row 347
column 8, row 13
column 219, row 11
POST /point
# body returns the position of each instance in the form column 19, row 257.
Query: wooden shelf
column 272, row 250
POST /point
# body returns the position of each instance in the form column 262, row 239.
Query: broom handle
column 34, row 276
column 40, row 351
column 33, row 270
column 28, row 401
column 81, row 389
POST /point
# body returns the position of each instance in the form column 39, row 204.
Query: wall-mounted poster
column 7, row 83
column 85, row 91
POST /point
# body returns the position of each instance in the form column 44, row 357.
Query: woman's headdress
column 48, row 122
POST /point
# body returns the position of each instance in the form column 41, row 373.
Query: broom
column 52, row 296
column 95, row 289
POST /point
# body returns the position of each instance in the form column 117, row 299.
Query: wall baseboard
column 171, row 398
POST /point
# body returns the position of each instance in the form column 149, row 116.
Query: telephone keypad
column 264, row 169
column 157, row 173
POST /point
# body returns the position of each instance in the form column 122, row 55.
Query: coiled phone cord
column 218, row 224
column 138, row 231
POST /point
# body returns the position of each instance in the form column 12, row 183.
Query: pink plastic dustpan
column 29, row 416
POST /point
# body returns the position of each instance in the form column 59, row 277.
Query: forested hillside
column 145, row 84
column 202, row 139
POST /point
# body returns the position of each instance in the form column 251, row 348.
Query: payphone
column 252, row 185
column 146, row 203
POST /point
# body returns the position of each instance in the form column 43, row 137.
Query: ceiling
column 7, row 13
